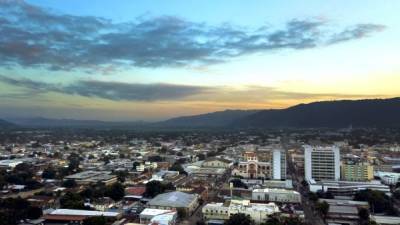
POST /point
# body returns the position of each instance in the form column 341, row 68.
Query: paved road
column 24, row 194
column 311, row 217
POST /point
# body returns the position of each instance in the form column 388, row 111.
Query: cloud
column 37, row 37
column 118, row 91
column 356, row 32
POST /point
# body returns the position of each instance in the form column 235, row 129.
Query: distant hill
column 40, row 122
column 5, row 124
column 329, row 114
column 332, row 114
column 215, row 119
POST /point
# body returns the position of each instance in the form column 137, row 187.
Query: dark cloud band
column 35, row 37
column 118, row 91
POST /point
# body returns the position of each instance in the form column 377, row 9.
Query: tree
column 178, row 167
column 273, row 219
column 49, row 173
column 323, row 209
column 201, row 157
column 239, row 219
column 313, row 197
column 237, row 183
column 34, row 212
column 116, row 191
column 200, row 222
column 363, row 215
column 96, row 220
column 396, row 194
column 378, row 201
column 153, row 188
column 72, row 201
column 276, row 219
column 69, row 183
column 155, row 158
column 121, row 175
column 181, row 213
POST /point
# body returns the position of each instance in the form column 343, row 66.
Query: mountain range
column 328, row 114
column 6, row 124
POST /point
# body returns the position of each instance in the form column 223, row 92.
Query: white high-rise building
column 321, row 163
column 278, row 164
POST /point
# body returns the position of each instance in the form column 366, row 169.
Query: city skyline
column 152, row 61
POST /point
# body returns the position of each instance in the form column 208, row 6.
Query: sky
column 151, row 60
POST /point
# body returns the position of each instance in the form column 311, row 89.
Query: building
column 251, row 168
column 175, row 201
column 278, row 164
column 217, row 163
column 344, row 211
column 276, row 195
column 75, row 216
column 388, row 178
column 10, row 163
column 321, row 163
column 357, row 171
column 347, row 188
column 88, row 177
column 158, row 216
column 385, row 220
column 259, row 212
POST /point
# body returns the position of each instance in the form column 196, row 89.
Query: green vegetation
column 275, row 219
column 178, row 167
column 154, row 188
column 378, row 201
column 323, row 209
column 115, row 191
column 97, row 220
column 237, row 183
column 12, row 210
column 239, row 219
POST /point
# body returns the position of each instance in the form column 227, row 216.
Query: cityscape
column 222, row 112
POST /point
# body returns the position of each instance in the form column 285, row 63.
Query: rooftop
column 175, row 199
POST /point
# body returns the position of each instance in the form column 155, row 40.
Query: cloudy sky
column 150, row 60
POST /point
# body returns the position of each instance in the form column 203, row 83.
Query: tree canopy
column 239, row 219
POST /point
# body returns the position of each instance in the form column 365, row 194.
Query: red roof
column 64, row 217
column 138, row 191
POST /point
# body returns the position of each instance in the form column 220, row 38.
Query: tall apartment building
column 278, row 164
column 321, row 163
column 357, row 171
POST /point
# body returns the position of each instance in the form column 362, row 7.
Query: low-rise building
column 175, row 201
column 75, row 216
column 347, row 188
column 158, row 216
column 88, row 177
column 259, row 212
column 217, row 163
column 276, row 195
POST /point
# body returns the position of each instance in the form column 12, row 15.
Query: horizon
column 10, row 119
column 152, row 62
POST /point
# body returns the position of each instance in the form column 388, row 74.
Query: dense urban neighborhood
column 308, row 176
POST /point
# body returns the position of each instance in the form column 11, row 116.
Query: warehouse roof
column 174, row 199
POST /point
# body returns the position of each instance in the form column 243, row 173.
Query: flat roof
column 155, row 212
column 173, row 199
column 77, row 212
column 386, row 219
